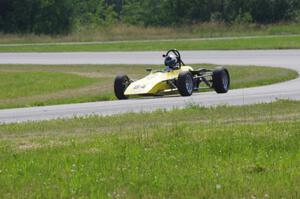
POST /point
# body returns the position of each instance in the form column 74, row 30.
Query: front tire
column 185, row 83
column 221, row 80
column 121, row 84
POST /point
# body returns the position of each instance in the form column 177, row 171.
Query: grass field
column 20, row 84
column 121, row 32
column 29, row 85
column 222, row 152
column 273, row 42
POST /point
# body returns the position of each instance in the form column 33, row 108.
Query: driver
column 171, row 62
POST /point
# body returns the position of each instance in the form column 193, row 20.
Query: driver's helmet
column 171, row 61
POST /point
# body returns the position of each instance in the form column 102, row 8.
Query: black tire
column 121, row 83
column 221, row 80
column 185, row 83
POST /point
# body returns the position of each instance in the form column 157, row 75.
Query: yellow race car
column 175, row 78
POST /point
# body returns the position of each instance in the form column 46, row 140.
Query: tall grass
column 232, row 43
column 122, row 32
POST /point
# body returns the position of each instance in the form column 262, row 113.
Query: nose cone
column 137, row 88
column 146, row 85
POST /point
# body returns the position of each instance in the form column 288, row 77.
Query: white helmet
column 171, row 61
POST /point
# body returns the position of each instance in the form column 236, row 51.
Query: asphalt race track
column 274, row 58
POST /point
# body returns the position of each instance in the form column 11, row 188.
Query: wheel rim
column 189, row 84
column 225, row 81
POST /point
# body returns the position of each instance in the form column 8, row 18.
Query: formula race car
column 175, row 78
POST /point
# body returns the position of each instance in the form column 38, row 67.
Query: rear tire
column 185, row 83
column 221, row 80
column 121, row 84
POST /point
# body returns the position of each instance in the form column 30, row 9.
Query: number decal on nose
column 139, row 87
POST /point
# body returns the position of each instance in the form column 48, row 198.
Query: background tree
column 61, row 16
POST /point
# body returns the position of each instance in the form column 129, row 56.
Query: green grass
column 20, row 84
column 276, row 42
column 221, row 152
column 121, row 32
column 29, row 85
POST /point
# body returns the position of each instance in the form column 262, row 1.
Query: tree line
column 61, row 16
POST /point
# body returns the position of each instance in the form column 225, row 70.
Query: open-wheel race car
column 175, row 78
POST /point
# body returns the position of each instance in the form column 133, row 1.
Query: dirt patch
column 27, row 145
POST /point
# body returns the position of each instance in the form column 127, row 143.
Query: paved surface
column 275, row 58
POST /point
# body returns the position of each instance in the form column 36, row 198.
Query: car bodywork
column 175, row 78
column 156, row 83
